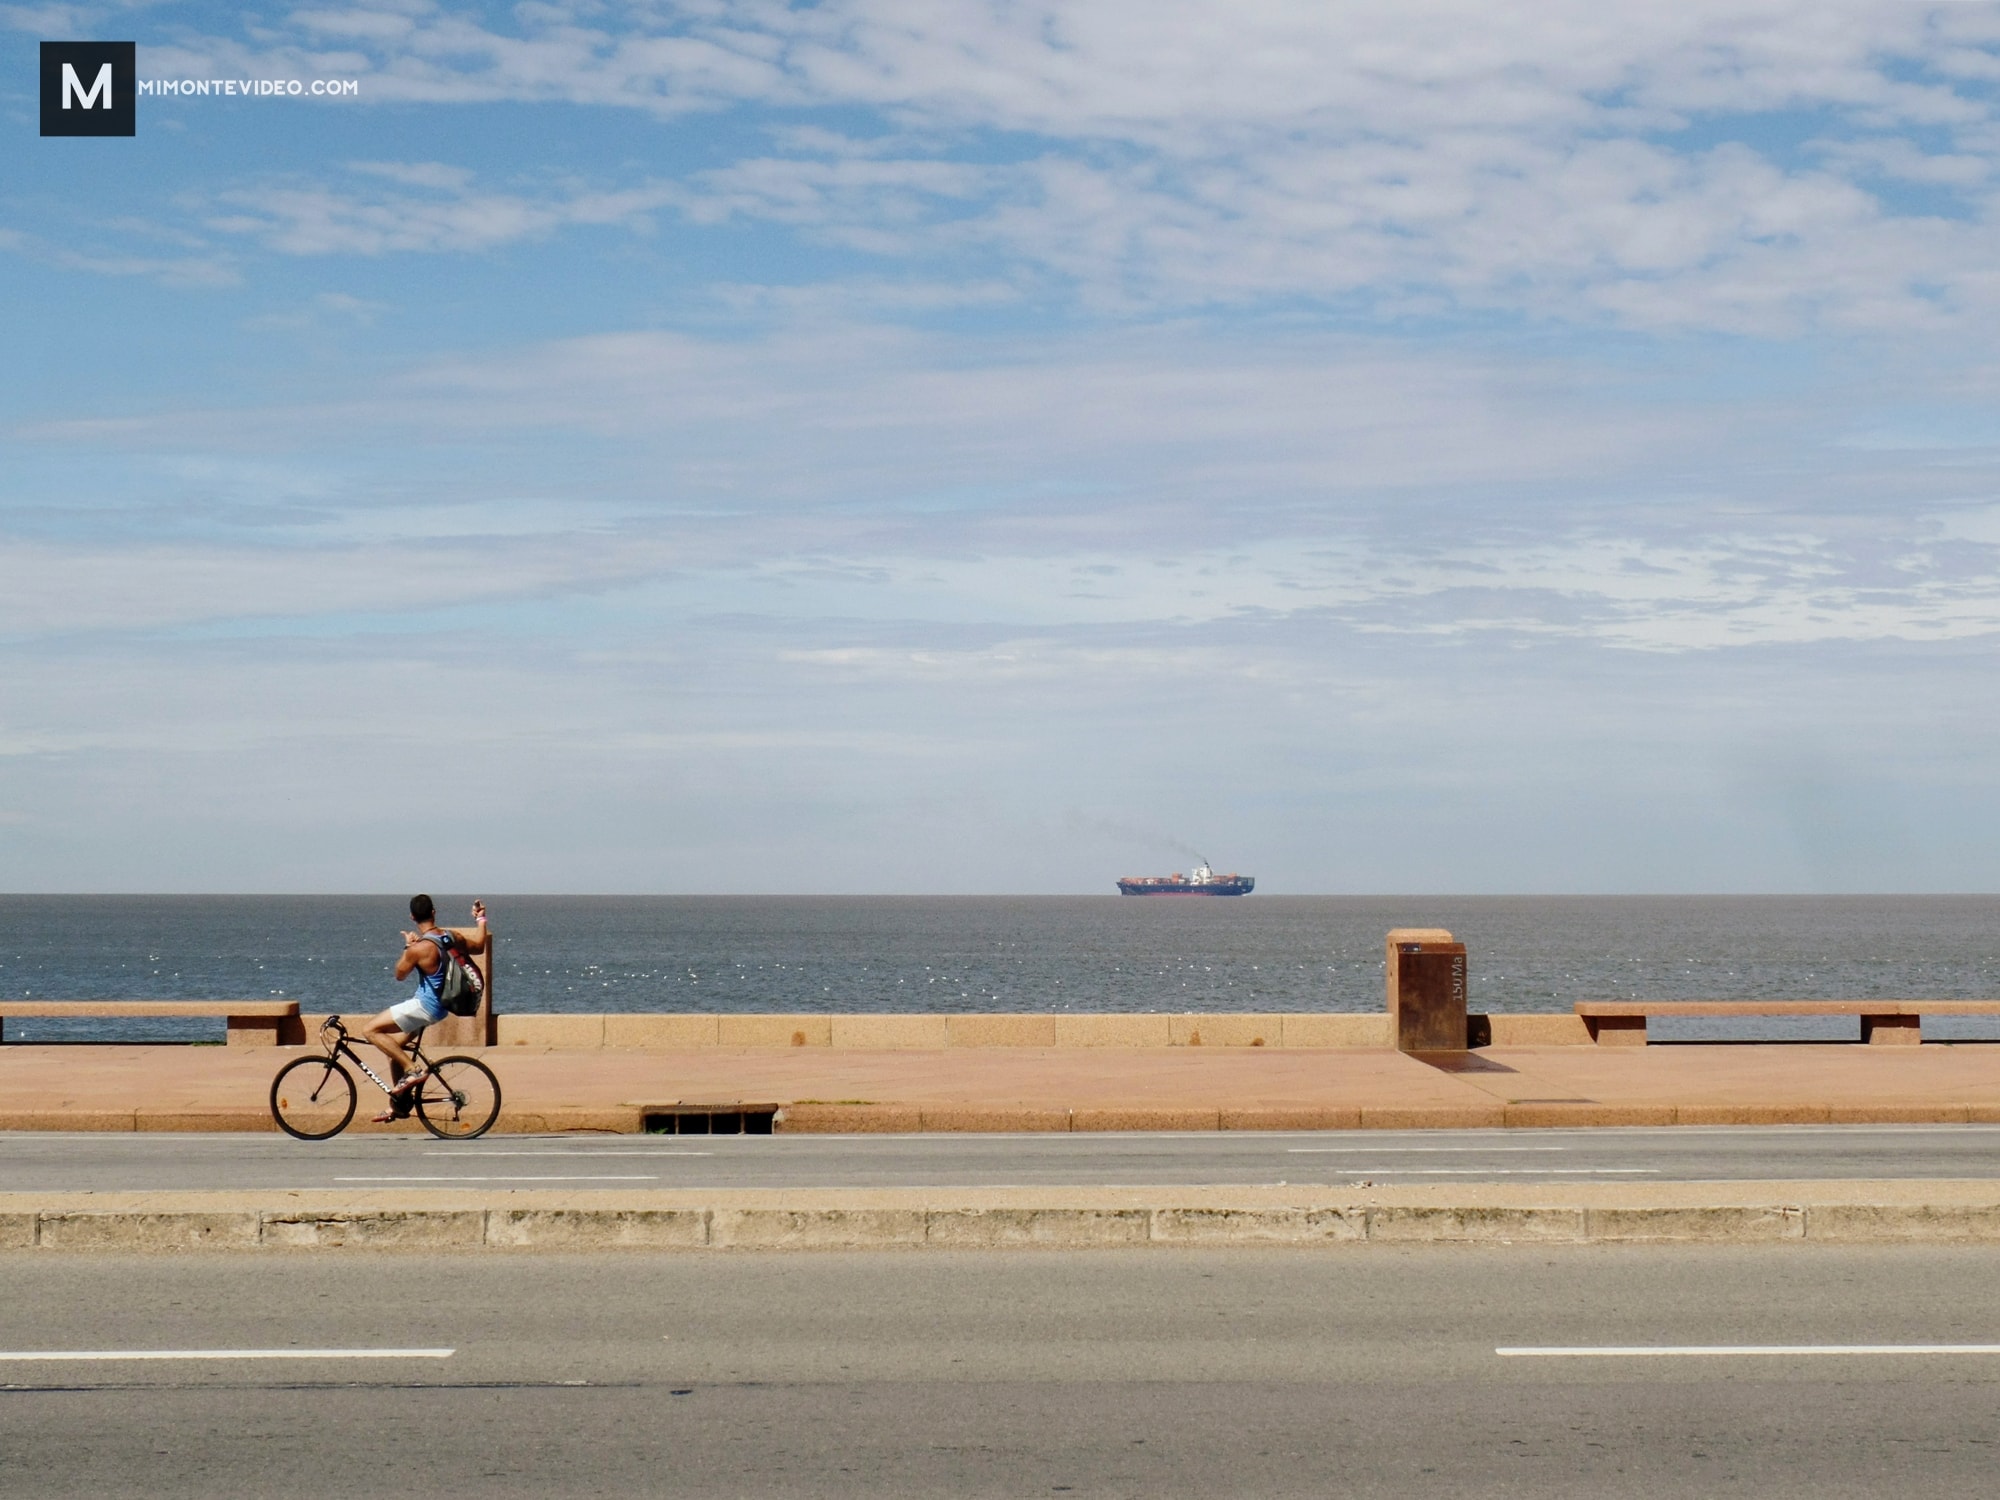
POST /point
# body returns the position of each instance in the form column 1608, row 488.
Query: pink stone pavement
column 822, row 1089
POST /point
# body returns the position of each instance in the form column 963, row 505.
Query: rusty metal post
column 1426, row 989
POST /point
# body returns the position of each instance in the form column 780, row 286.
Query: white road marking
column 1706, row 1351
column 591, row 1153
column 626, row 1178
column 1414, row 1150
column 461, row 1153
column 1500, row 1171
column 233, row 1355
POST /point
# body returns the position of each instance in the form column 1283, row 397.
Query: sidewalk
column 1026, row 1088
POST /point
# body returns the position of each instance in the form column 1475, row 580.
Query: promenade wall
column 689, row 1031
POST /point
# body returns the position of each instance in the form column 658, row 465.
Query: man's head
column 421, row 909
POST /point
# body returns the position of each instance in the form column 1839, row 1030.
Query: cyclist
column 423, row 955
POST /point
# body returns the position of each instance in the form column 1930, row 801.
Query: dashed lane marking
column 485, row 1155
column 51, row 1355
column 1499, row 1171
column 578, row 1177
column 1714, row 1351
column 1415, row 1151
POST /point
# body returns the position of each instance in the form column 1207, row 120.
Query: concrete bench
column 1893, row 1023
column 248, row 1023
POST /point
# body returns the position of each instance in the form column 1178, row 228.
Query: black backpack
column 462, row 986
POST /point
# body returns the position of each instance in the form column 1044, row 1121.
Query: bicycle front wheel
column 312, row 1098
column 459, row 1099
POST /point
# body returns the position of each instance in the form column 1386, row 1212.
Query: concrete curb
column 998, row 1219
column 913, row 1119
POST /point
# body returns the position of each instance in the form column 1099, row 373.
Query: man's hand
column 479, row 911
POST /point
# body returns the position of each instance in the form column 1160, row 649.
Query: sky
column 977, row 446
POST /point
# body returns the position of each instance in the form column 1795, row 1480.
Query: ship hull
column 1241, row 887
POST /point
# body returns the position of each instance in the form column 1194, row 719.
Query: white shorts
column 415, row 1013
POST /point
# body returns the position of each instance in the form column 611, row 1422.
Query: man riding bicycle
column 423, row 955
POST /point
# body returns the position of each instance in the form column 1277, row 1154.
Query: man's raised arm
column 475, row 938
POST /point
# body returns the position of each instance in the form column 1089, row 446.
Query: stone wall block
column 1711, row 1225
column 1333, row 1030
column 598, row 1228
column 889, row 1033
column 1259, row 1226
column 1910, row 1223
column 1050, row 1228
column 661, row 1033
column 144, row 1231
column 383, row 1229
column 774, row 1031
column 1412, row 1225
column 1001, row 1030
column 816, row 1229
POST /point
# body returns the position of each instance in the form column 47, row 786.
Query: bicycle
column 313, row 1098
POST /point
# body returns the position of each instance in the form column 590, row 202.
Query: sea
column 1005, row 953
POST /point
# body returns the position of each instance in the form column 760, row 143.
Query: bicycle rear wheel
column 459, row 1099
column 312, row 1098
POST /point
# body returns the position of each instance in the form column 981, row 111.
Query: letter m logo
column 73, row 88
column 89, row 88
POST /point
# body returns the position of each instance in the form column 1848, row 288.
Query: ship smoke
column 1075, row 821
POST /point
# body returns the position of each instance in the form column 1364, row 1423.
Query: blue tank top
column 431, row 985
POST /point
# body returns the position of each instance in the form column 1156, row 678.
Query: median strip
column 462, row 1216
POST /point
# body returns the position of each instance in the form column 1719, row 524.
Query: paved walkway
column 209, row 1088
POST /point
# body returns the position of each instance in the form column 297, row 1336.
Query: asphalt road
column 1373, row 1372
column 142, row 1161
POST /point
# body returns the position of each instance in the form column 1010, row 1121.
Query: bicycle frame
column 343, row 1046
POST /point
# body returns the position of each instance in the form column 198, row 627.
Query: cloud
column 821, row 474
column 426, row 207
column 862, row 196
column 45, row 21
column 1623, row 231
column 1170, row 72
column 439, row 56
column 1216, row 430
column 321, row 311
column 189, row 271
column 1634, row 166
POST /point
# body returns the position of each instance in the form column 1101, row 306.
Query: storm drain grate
column 726, row 1120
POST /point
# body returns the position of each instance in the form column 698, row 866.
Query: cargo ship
column 1201, row 882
